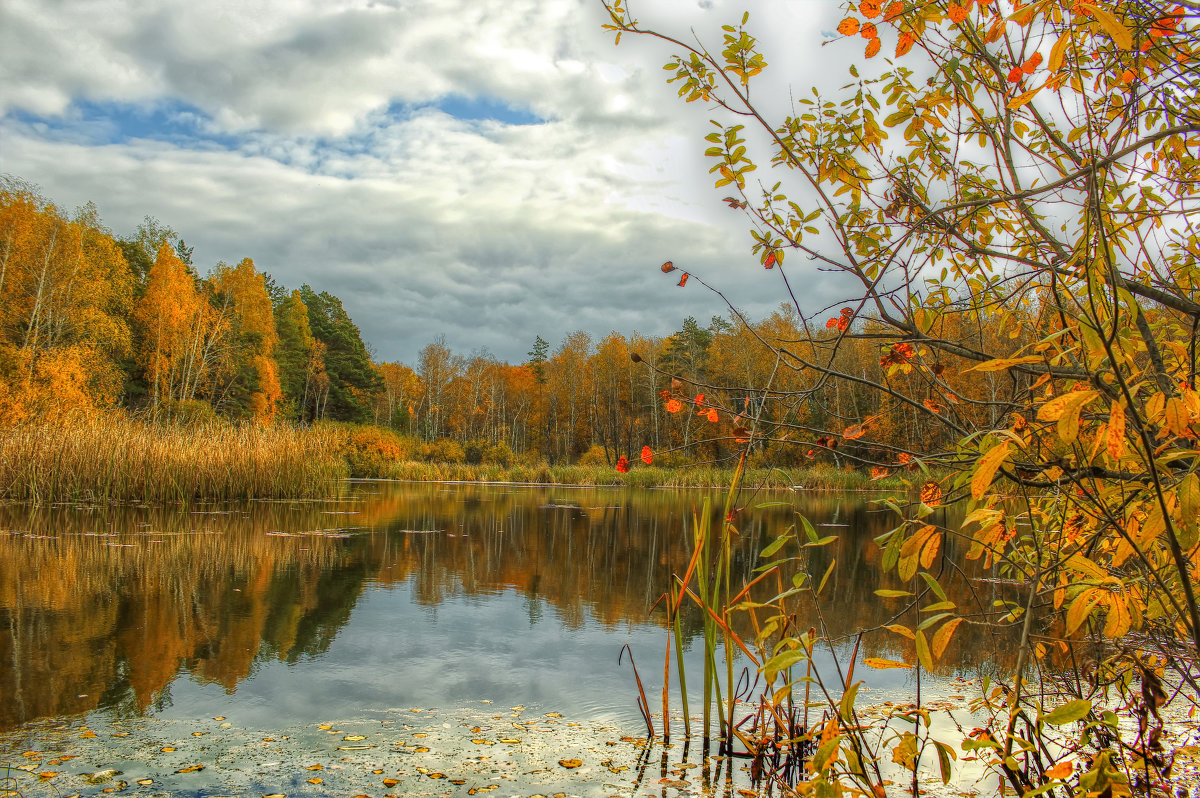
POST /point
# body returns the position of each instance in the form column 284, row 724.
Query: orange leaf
column 873, row 47
column 932, row 406
column 869, row 31
column 853, row 432
column 683, row 280
column 957, row 13
column 674, row 406
column 667, row 267
column 712, row 415
column 1014, row 74
column 869, row 8
column 1060, row 771
column 699, row 399
column 647, row 455
column 879, row 472
column 904, row 43
column 741, row 435
column 931, row 494
column 894, row 9
column 622, row 465
column 848, row 26
column 1031, row 63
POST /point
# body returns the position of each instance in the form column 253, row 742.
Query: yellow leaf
column 1118, row 620
column 1082, row 607
column 1000, row 364
column 1053, row 409
column 986, row 469
column 941, row 638
column 1058, row 52
column 1118, row 32
column 1115, row 437
column 875, row 662
column 1023, row 99
column 923, row 655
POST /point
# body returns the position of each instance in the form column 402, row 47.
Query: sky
column 484, row 170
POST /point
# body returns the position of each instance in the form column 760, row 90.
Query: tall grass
column 115, row 458
column 817, row 478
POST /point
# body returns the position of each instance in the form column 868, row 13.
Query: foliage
column 1013, row 198
column 372, row 451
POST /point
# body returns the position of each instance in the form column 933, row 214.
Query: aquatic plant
column 117, row 458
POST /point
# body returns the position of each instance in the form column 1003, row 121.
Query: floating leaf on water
column 275, row 795
column 102, row 775
column 199, row 734
column 355, row 747
column 145, row 782
column 354, row 737
column 327, row 727
column 553, row 715
column 437, row 775
column 316, row 767
column 377, row 771
column 420, row 749
column 191, row 769
column 390, row 782
column 518, row 708
column 316, row 781
column 219, row 717
column 166, row 749
column 458, row 781
column 87, row 734
column 570, row 763
column 46, row 775
column 479, row 741
column 422, row 771
column 121, row 734
column 419, row 735
column 226, row 725
column 509, row 740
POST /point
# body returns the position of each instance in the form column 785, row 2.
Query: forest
column 93, row 322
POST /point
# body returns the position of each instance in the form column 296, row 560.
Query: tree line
column 90, row 320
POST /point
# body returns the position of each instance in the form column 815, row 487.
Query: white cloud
column 304, row 153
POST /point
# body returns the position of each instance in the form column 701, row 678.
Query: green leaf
column 1068, row 712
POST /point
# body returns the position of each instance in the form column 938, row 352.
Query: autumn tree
column 1012, row 194
column 248, row 383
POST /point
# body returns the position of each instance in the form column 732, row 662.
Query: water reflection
column 392, row 594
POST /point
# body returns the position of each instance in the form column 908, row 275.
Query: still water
column 393, row 597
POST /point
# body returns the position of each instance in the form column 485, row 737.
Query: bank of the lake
column 119, row 458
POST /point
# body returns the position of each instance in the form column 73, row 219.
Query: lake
column 481, row 623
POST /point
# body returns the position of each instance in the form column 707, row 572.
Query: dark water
column 396, row 596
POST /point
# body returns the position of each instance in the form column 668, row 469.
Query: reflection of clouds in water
column 526, row 601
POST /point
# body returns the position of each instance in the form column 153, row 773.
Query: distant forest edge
column 92, row 322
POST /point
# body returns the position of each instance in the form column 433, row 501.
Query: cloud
column 313, row 137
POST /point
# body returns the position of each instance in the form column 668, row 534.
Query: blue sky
column 488, row 171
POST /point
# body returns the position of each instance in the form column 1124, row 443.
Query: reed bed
column 816, row 478
column 115, row 458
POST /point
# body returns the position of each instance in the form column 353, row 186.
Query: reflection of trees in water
column 112, row 603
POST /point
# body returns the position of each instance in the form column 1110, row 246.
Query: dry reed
column 114, row 458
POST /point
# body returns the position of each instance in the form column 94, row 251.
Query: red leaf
column 769, row 263
column 647, row 455
column 667, row 267
column 712, row 415
column 674, row 406
column 622, row 465
column 699, row 399
column 683, row 280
